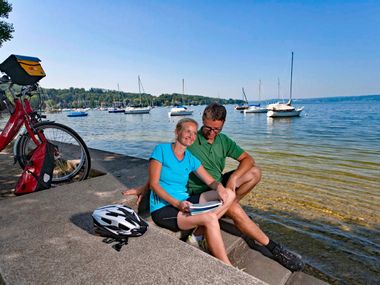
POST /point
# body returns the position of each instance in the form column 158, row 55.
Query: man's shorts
column 226, row 176
column 166, row 217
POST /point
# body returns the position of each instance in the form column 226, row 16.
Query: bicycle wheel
column 72, row 159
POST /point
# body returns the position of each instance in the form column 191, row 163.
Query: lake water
column 320, row 192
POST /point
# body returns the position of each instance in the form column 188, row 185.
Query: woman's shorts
column 166, row 217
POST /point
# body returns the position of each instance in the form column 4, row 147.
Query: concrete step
column 300, row 278
column 253, row 262
column 47, row 238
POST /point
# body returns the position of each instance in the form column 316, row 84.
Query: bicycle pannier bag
column 37, row 174
column 23, row 70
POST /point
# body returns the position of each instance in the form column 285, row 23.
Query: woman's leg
column 212, row 232
column 213, row 195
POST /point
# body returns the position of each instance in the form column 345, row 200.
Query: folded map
column 204, row 207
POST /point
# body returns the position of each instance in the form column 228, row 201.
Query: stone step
column 253, row 262
column 300, row 278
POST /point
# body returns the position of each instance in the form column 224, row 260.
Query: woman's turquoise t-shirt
column 174, row 174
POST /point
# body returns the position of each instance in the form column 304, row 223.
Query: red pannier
column 38, row 173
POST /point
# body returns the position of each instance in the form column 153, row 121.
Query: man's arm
column 210, row 181
column 246, row 162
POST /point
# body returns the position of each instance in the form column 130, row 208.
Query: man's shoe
column 290, row 260
column 201, row 244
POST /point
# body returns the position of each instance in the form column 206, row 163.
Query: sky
column 217, row 47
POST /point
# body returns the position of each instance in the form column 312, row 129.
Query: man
column 212, row 148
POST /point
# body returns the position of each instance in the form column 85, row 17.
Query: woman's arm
column 154, row 182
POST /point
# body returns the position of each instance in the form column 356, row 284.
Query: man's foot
column 291, row 261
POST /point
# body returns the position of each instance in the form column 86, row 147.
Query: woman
column 169, row 168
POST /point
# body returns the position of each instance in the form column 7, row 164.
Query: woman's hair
column 180, row 123
column 214, row 112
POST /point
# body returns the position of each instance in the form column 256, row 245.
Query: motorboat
column 115, row 110
column 137, row 110
column 284, row 109
column 77, row 114
column 255, row 109
column 180, row 111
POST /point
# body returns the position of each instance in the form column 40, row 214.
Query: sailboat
column 284, row 109
column 256, row 108
column 245, row 105
column 181, row 110
column 140, row 109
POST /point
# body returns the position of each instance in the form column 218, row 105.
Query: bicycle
column 72, row 160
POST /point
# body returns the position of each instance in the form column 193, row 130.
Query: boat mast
column 291, row 81
column 278, row 88
column 183, row 91
column 139, row 82
column 244, row 96
column 260, row 90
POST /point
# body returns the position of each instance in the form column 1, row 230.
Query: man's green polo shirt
column 213, row 158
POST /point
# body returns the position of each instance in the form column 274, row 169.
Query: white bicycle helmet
column 118, row 222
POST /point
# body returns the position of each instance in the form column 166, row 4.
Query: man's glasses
column 209, row 129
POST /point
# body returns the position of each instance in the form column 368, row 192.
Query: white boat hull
column 132, row 110
column 115, row 110
column 284, row 113
column 180, row 111
column 255, row 110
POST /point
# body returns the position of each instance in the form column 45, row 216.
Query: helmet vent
column 106, row 220
column 123, row 227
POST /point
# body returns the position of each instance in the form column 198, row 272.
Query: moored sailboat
column 140, row 109
column 245, row 105
column 256, row 108
column 284, row 109
column 181, row 110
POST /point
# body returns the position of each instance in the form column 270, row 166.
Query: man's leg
column 244, row 223
column 248, row 227
column 247, row 182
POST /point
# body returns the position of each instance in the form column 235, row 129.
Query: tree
column 6, row 29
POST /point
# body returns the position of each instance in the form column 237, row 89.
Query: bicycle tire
column 72, row 162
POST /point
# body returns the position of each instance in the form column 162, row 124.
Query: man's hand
column 222, row 192
column 232, row 183
column 139, row 192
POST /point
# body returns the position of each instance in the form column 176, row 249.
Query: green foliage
column 6, row 29
column 96, row 97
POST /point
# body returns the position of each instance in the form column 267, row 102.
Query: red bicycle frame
column 20, row 116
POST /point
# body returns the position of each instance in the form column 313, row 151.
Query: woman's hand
column 139, row 192
column 184, row 206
